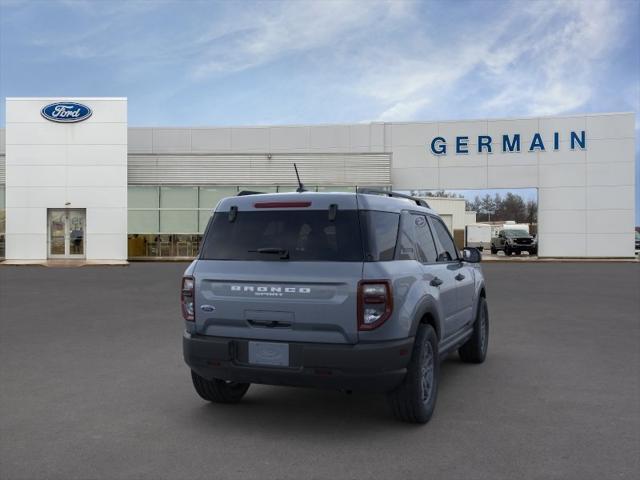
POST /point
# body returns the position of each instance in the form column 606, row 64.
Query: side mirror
column 471, row 255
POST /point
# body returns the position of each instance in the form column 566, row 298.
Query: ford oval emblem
column 66, row 112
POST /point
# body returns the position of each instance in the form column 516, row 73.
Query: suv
column 351, row 291
column 514, row 241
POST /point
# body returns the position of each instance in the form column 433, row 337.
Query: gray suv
column 351, row 291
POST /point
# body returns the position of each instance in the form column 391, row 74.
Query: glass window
column 406, row 239
column 203, row 219
column 296, row 235
column 179, row 221
column 2, row 222
column 185, row 245
column 380, row 230
column 179, row 197
column 516, row 233
column 424, row 240
column 143, row 221
column 157, row 246
column 140, row 245
column 446, row 247
column 142, row 197
column 210, row 196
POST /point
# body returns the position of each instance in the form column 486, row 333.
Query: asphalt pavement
column 93, row 386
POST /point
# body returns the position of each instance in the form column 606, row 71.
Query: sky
column 208, row 63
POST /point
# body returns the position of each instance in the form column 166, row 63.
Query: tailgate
column 281, row 301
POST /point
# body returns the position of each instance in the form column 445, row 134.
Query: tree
column 473, row 206
column 512, row 207
column 487, row 207
column 443, row 194
column 532, row 212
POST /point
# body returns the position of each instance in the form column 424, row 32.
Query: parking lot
column 93, row 386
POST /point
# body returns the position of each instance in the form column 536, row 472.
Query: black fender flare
column 480, row 291
column 428, row 308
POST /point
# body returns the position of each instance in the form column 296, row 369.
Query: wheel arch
column 429, row 319
column 481, row 293
column 428, row 315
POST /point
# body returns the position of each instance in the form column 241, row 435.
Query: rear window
column 291, row 235
column 302, row 235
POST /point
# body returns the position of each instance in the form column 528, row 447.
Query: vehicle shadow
column 316, row 412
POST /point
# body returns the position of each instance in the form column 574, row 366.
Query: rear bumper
column 373, row 367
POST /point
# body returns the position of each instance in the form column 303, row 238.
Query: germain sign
column 66, row 112
column 509, row 143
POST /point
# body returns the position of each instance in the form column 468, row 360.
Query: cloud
column 550, row 66
column 278, row 30
column 541, row 58
column 391, row 60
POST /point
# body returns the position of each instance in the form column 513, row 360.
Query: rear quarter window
column 380, row 232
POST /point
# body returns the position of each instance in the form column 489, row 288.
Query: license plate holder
column 269, row 353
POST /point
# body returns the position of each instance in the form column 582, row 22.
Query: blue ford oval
column 66, row 112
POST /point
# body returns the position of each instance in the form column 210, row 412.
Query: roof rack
column 420, row 202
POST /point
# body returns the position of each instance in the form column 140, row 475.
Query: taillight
column 375, row 303
column 187, row 298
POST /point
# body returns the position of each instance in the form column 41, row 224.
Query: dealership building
column 77, row 182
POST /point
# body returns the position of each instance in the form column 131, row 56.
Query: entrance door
column 66, row 233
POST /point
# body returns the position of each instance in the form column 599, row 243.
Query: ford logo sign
column 66, row 112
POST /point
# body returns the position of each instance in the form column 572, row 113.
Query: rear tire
column 218, row 391
column 415, row 399
column 475, row 349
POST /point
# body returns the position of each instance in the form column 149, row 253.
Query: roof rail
column 247, row 192
column 372, row 191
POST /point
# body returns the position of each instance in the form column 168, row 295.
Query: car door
column 463, row 275
column 438, row 278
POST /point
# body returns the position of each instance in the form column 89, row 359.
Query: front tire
column 415, row 399
column 218, row 391
column 475, row 349
column 494, row 250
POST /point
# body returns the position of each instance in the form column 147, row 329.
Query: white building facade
column 66, row 183
column 77, row 182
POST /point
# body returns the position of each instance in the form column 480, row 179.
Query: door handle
column 436, row 282
column 459, row 277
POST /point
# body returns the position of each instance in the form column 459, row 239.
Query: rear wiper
column 283, row 252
